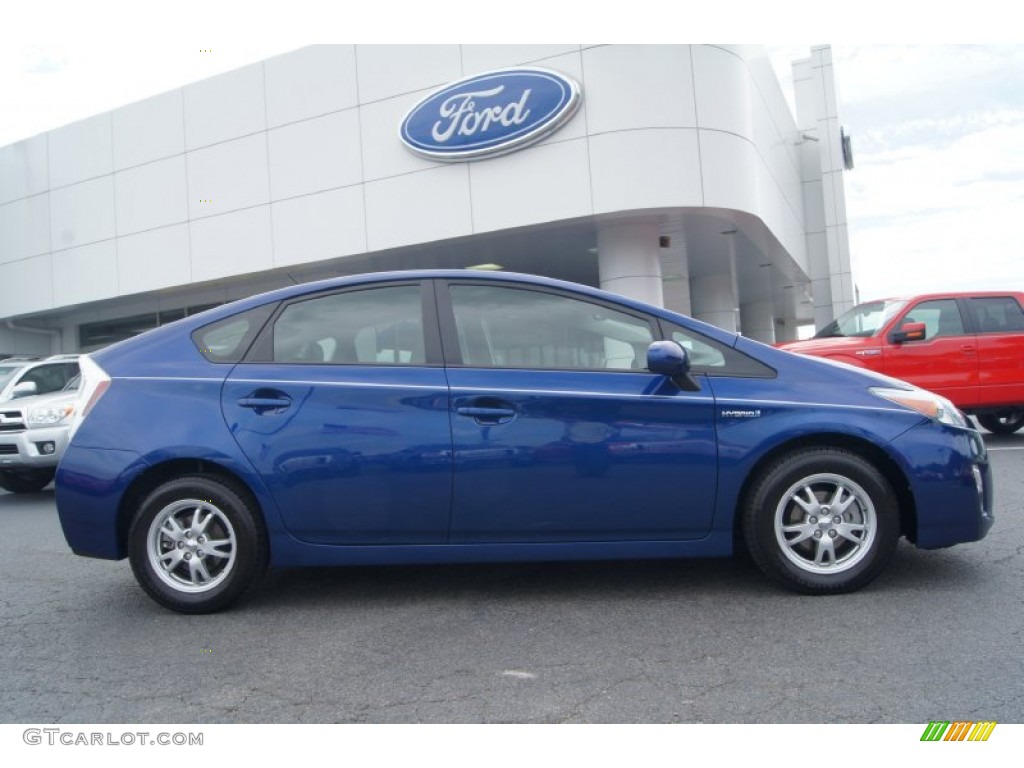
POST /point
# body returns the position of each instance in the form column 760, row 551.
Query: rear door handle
column 486, row 410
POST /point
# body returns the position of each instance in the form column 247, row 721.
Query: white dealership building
column 678, row 175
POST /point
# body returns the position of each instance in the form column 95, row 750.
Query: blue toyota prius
column 456, row 416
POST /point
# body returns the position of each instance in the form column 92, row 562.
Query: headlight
column 926, row 403
column 49, row 415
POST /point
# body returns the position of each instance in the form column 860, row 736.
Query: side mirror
column 668, row 358
column 24, row 389
column 909, row 332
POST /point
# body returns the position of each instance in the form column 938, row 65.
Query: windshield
column 7, row 373
column 863, row 320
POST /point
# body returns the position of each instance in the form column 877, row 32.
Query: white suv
column 34, row 427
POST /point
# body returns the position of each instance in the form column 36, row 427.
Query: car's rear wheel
column 25, row 480
column 197, row 544
column 1002, row 422
column 821, row 521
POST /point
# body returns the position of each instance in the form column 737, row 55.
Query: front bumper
column 33, row 448
column 951, row 482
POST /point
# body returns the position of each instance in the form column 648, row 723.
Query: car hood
column 830, row 344
column 49, row 397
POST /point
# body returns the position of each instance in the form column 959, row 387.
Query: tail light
column 95, row 383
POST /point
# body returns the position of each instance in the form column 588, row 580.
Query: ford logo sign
column 490, row 114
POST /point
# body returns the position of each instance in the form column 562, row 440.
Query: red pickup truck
column 968, row 347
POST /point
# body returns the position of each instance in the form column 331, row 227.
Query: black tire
column 25, row 480
column 196, row 544
column 797, row 538
column 1003, row 422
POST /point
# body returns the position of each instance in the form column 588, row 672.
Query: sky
column 933, row 202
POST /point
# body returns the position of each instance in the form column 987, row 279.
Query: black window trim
column 763, row 370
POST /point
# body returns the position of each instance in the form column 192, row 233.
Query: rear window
column 227, row 340
column 998, row 314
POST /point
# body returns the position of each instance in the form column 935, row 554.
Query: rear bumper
column 89, row 487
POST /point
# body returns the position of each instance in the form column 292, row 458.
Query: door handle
column 967, row 349
column 486, row 413
column 486, row 410
column 262, row 405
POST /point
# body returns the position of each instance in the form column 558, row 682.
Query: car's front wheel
column 821, row 520
column 25, row 480
column 197, row 544
column 1003, row 422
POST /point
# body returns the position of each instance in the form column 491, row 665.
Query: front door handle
column 263, row 402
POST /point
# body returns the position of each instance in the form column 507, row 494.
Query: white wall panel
column 391, row 70
column 655, row 168
column 314, row 155
column 225, row 107
column 384, row 154
column 15, row 276
column 155, row 259
column 730, row 167
column 418, row 207
column 80, row 151
column 233, row 244
column 23, row 169
column 228, row 176
column 638, row 86
column 149, row 130
column 82, row 214
column 83, row 274
column 151, row 195
column 310, row 82
column 482, row 58
column 24, row 228
column 545, row 183
column 724, row 91
column 321, row 226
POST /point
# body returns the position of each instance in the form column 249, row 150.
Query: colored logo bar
column 961, row 730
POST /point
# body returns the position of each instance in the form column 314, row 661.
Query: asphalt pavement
column 936, row 637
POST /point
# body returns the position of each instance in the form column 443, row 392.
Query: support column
column 714, row 297
column 627, row 260
column 757, row 319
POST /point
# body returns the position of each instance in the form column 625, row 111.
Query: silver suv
column 34, row 427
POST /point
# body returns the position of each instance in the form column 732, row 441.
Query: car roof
column 950, row 295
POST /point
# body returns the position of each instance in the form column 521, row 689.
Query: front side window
column 1000, row 314
column 941, row 317
column 375, row 326
column 50, row 378
column 504, row 327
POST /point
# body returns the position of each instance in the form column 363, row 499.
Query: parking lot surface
column 937, row 637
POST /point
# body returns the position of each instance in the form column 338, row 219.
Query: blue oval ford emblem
column 490, row 114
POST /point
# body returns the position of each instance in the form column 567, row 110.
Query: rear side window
column 227, row 340
column 999, row 314
column 374, row 326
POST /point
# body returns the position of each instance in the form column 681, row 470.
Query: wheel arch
column 867, row 450
column 147, row 481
